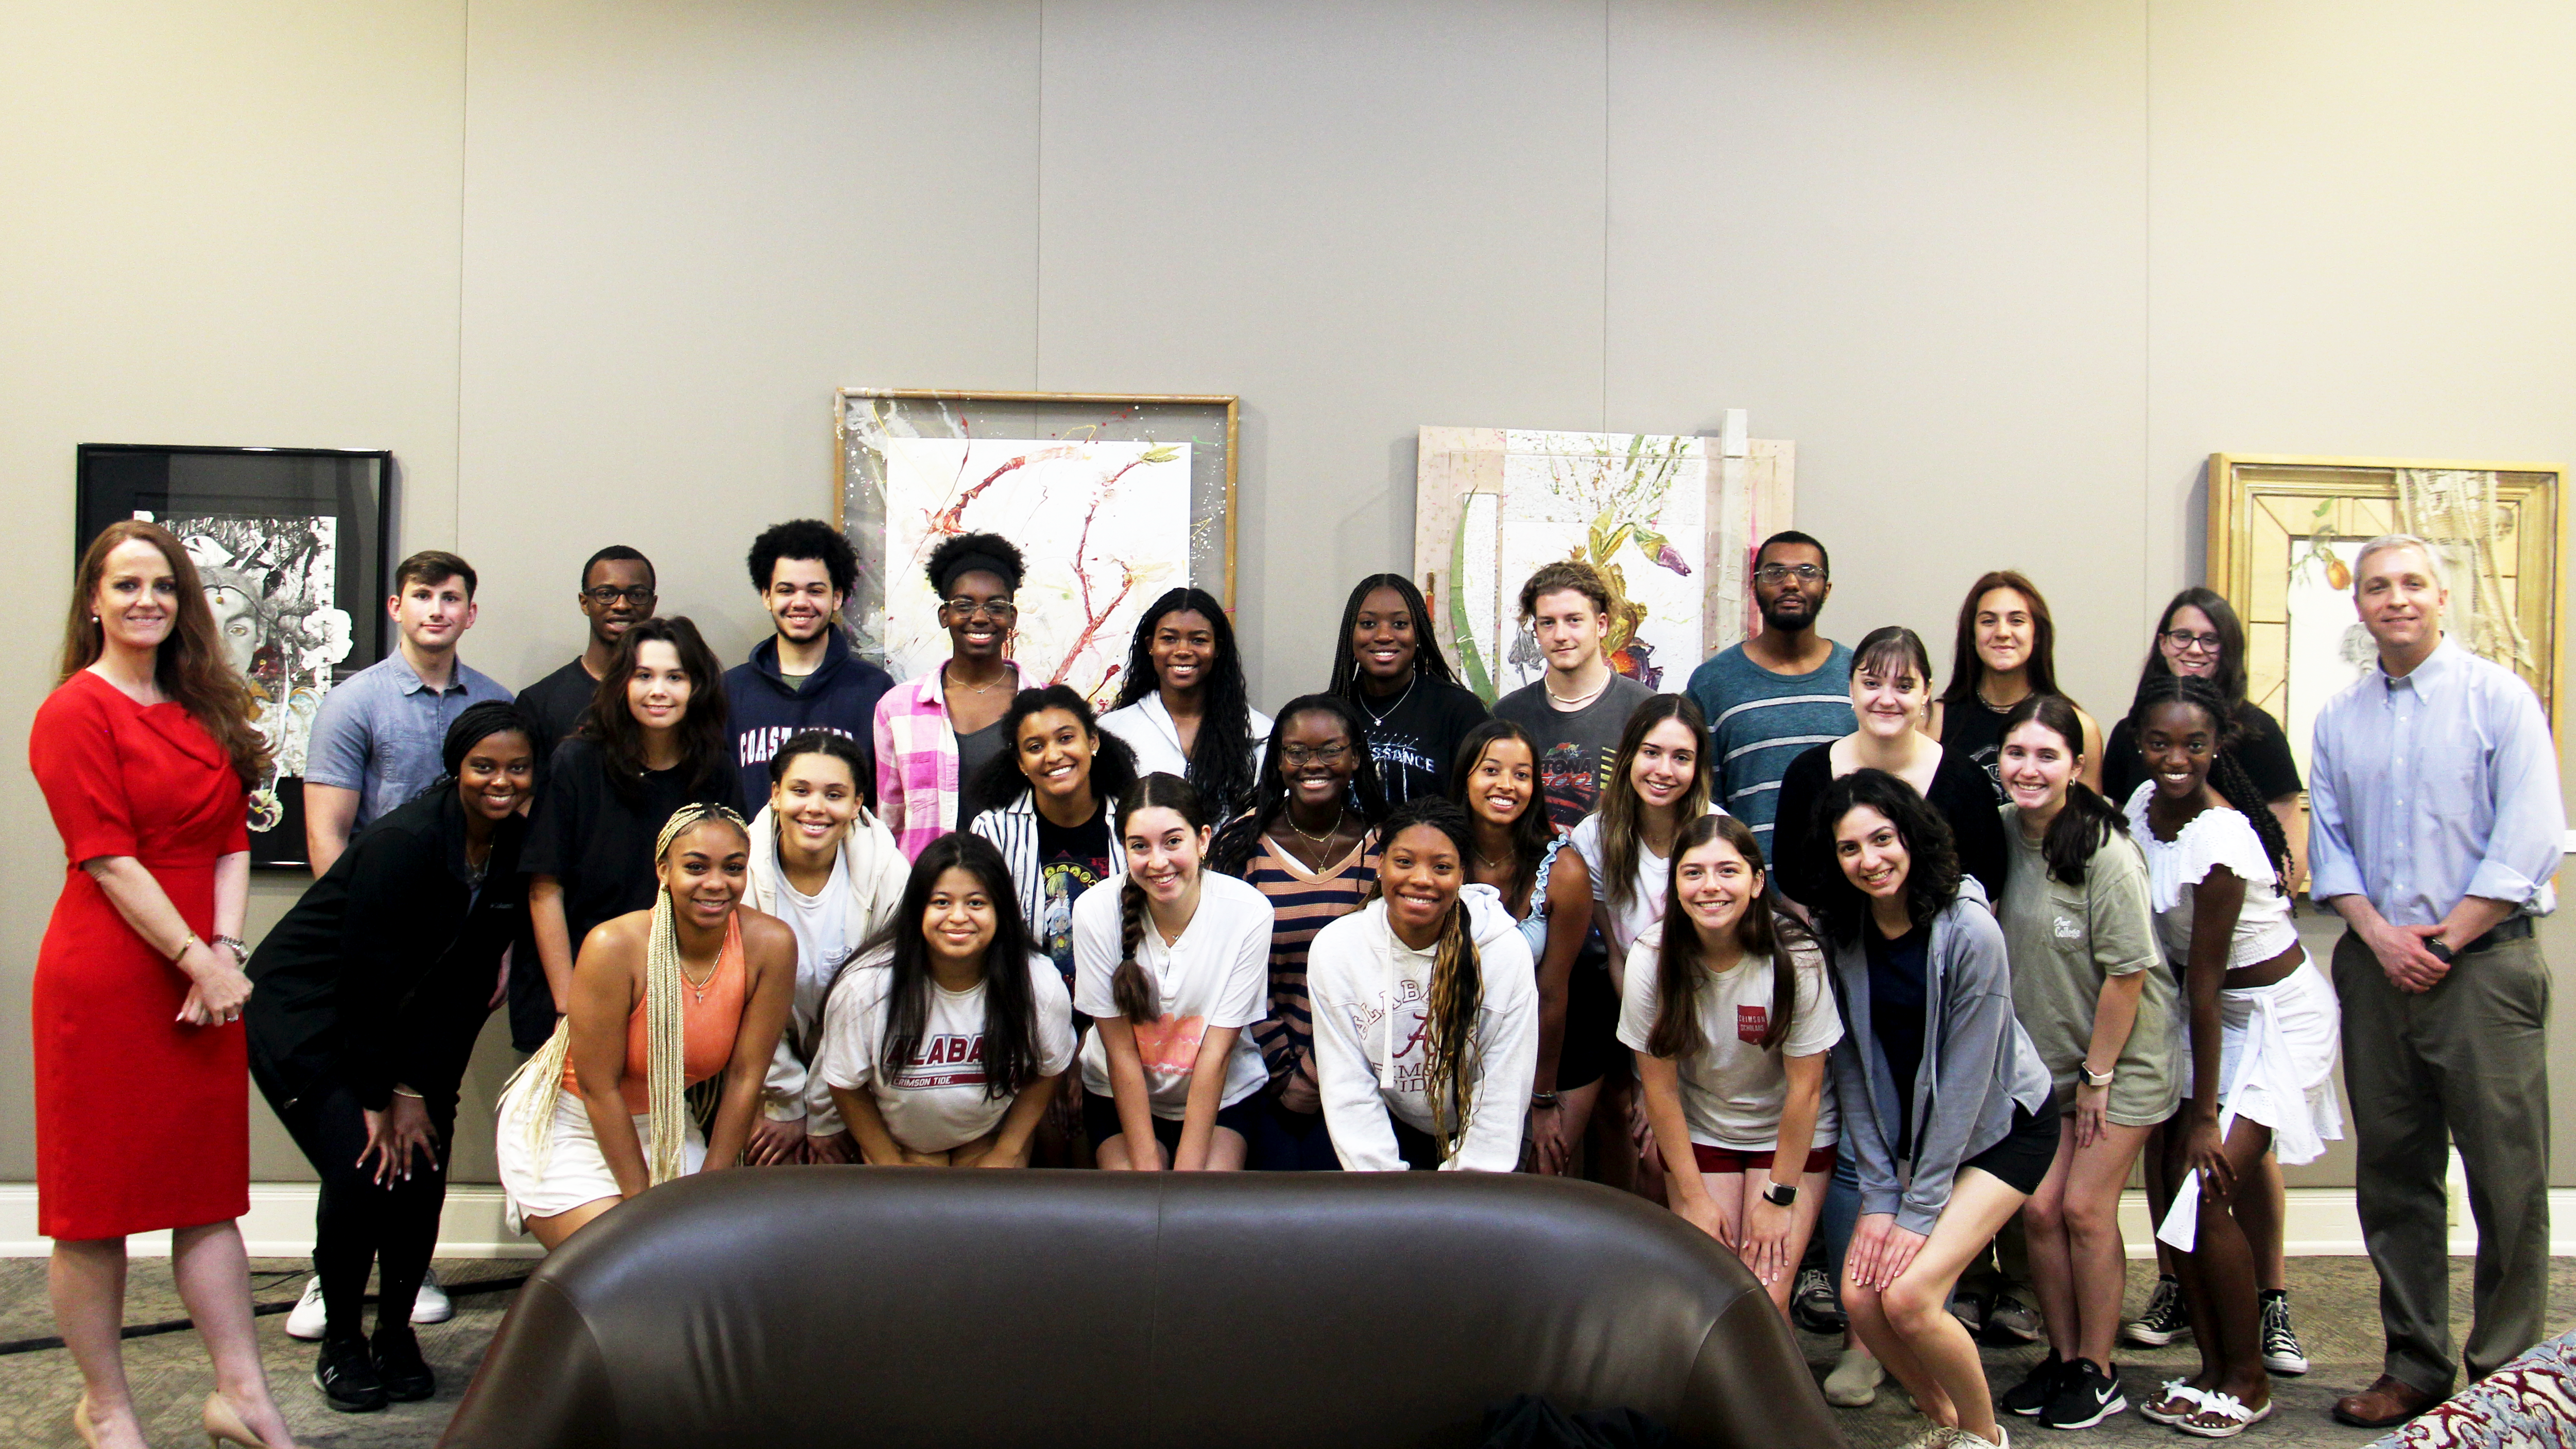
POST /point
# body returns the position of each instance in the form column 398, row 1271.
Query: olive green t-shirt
column 2064, row 942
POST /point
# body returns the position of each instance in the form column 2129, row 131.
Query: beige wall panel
column 228, row 225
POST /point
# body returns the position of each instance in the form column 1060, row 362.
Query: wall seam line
column 464, row 126
column 1037, row 224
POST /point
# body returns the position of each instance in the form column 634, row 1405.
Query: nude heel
column 81, row 1424
column 224, row 1425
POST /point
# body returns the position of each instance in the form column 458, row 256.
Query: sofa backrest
column 935, row 1308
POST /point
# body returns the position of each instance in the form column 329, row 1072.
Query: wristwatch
column 1779, row 1194
column 2093, row 1078
column 2440, row 949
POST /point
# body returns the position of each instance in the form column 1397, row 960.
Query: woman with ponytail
column 1426, row 1010
column 2081, row 939
column 1171, row 964
column 365, row 1003
column 2262, row 1031
column 943, row 1040
column 693, row 989
column 1184, row 708
column 822, row 863
column 1730, row 1017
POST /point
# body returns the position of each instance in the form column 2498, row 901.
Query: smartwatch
column 2093, row 1078
column 1779, row 1194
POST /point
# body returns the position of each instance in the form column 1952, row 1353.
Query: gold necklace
column 1323, row 842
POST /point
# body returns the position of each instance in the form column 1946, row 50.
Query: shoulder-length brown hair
column 1967, row 670
column 611, row 724
column 1622, row 814
column 189, row 666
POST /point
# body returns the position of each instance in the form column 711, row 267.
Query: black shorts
column 1100, row 1121
column 2023, row 1157
column 1591, row 1038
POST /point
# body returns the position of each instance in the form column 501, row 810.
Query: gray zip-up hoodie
column 1977, row 1064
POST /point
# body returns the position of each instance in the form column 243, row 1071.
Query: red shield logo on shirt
column 1752, row 1023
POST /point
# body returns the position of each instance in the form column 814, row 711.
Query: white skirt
column 2276, row 1061
column 575, row 1171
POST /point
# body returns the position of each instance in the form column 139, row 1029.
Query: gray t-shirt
column 2064, row 942
column 1576, row 748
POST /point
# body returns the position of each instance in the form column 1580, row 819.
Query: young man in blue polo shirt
column 803, row 676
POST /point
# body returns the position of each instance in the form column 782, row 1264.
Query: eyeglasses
column 1000, row 611
column 1322, row 755
column 608, row 594
column 2184, row 641
column 1782, row 573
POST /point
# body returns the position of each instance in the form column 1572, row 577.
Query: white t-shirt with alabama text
column 938, row 1100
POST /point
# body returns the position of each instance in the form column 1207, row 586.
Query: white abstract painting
column 1105, row 527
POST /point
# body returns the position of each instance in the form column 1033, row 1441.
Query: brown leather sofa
column 932, row 1309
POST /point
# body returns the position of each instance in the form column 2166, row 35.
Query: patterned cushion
column 2530, row 1403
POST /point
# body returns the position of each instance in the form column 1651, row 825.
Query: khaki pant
column 2465, row 1063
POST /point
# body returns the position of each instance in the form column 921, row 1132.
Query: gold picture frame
column 2282, row 531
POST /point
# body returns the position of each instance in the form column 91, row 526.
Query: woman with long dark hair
column 1520, row 853
column 1183, row 708
column 146, row 752
column 1944, row 1101
column 1387, row 665
column 2262, row 1026
column 1426, row 1013
column 824, row 864
column 2081, row 938
column 2005, row 651
column 1173, row 964
column 652, row 741
column 693, row 990
column 1052, row 801
column 1308, row 843
column 1730, row 1017
column 365, row 1003
column 2200, row 636
column 943, row 1040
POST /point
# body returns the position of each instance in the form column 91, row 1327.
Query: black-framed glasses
column 1293, row 755
column 2184, row 641
column 1000, row 611
column 607, row 594
column 1782, row 573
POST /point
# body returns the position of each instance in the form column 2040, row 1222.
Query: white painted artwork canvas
column 1632, row 504
column 1105, row 527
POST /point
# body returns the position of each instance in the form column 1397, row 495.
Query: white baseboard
column 280, row 1225
column 2321, row 1223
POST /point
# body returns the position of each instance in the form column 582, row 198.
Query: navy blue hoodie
column 840, row 695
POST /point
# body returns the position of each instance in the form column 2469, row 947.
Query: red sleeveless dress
column 142, row 1122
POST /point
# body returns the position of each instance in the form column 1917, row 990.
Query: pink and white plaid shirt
column 917, row 784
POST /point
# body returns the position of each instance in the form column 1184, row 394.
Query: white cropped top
column 2213, row 838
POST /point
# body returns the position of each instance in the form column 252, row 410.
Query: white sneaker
column 307, row 1320
column 1854, row 1382
column 430, row 1307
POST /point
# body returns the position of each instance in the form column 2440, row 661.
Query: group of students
column 1889, row 972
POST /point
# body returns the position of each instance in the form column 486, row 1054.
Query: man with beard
column 617, row 591
column 1782, row 691
column 803, row 676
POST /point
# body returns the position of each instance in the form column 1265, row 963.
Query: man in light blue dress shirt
column 2436, row 824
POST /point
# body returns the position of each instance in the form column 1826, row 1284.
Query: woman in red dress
column 143, row 751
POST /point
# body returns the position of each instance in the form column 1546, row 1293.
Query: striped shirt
column 917, row 770
column 1303, row 903
column 1759, row 721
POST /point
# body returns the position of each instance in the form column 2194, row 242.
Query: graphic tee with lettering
column 1732, row 1089
column 1216, row 975
column 1576, row 748
column 1071, row 859
column 1414, row 735
column 938, row 1097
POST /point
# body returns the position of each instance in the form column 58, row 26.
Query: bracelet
column 185, row 942
column 236, row 945
column 408, row 1092
column 1542, row 1099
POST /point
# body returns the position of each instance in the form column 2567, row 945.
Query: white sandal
column 2173, row 1389
column 2235, row 1417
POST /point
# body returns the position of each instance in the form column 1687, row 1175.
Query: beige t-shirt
column 1732, row 1090
column 2064, row 942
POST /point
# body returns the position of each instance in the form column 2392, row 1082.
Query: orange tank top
column 710, row 1019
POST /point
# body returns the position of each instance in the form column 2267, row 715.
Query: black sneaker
column 2164, row 1320
column 347, row 1376
column 2281, row 1351
column 1813, row 1305
column 2010, row 1320
column 404, row 1373
column 2085, row 1397
column 2037, row 1391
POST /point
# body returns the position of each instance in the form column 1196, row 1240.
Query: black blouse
column 1961, row 794
column 2262, row 747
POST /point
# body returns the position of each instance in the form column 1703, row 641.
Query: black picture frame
column 265, row 520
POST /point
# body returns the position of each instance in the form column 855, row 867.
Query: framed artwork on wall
column 2284, row 533
column 1670, row 520
column 290, row 544
column 1113, row 499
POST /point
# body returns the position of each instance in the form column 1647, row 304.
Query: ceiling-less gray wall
column 2007, row 272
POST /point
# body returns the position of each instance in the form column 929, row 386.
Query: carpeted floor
column 2333, row 1301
